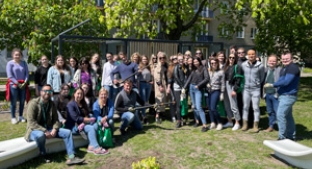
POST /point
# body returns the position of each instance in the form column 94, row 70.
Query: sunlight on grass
column 187, row 147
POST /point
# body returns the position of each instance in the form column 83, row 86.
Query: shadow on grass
column 302, row 133
column 284, row 161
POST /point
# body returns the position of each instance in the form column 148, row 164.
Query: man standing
column 125, row 69
column 287, row 88
column 107, row 82
column 254, row 76
column 42, row 124
column 125, row 103
column 270, row 94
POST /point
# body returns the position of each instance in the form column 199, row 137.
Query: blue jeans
column 271, row 106
column 213, row 101
column 112, row 92
column 91, row 131
column 196, row 97
column 130, row 118
column 285, row 119
column 15, row 93
column 65, row 134
column 145, row 92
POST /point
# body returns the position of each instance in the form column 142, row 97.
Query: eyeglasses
column 160, row 58
column 47, row 91
column 232, row 58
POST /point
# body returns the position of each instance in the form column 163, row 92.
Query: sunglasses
column 174, row 58
column 231, row 57
column 160, row 58
column 48, row 91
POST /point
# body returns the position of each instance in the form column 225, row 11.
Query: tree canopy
column 31, row 25
column 282, row 25
column 149, row 17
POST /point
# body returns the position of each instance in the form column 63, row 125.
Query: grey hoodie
column 254, row 74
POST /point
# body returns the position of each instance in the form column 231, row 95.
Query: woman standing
column 216, row 90
column 221, row 59
column 41, row 74
column 160, row 83
column 145, row 82
column 85, row 74
column 17, row 73
column 136, row 58
column 97, row 68
column 172, row 64
column 179, row 79
column 231, row 87
column 198, row 79
column 78, row 114
column 73, row 64
column 103, row 109
column 58, row 75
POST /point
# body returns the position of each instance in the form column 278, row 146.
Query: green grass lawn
column 307, row 70
column 188, row 147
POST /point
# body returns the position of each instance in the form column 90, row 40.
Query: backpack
column 242, row 82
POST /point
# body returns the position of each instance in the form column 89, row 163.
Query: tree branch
column 194, row 19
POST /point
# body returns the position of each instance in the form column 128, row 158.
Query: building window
column 241, row 33
column 224, row 32
column 224, row 7
column 253, row 33
column 205, row 29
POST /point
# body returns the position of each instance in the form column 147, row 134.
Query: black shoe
column 74, row 160
column 204, row 129
column 195, row 125
column 178, row 125
column 145, row 121
column 46, row 158
column 123, row 132
column 281, row 138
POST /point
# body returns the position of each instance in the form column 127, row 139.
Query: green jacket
column 34, row 117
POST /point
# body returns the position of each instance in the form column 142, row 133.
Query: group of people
column 79, row 97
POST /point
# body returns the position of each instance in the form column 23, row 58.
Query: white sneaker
column 21, row 119
column 212, row 126
column 219, row 126
column 14, row 121
column 236, row 127
column 228, row 124
column 174, row 119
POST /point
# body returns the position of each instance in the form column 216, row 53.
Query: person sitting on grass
column 42, row 124
column 124, row 104
column 77, row 113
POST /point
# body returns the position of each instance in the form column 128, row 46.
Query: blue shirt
column 288, row 82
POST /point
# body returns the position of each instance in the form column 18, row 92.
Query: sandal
column 98, row 151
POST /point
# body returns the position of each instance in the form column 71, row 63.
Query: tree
column 31, row 25
column 142, row 17
column 282, row 25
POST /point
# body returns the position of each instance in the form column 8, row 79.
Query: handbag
column 105, row 137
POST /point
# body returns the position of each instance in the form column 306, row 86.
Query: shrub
column 148, row 163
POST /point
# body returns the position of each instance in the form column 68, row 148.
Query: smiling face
column 286, row 59
column 214, row 64
column 78, row 95
column 65, row 91
column 103, row 95
column 128, row 87
column 221, row 58
column 231, row 59
column 251, row 55
column 72, row 63
column 272, row 61
column 60, row 62
column 196, row 63
column 46, row 93
column 85, row 88
column 95, row 58
column 144, row 60
column 162, row 58
column 17, row 56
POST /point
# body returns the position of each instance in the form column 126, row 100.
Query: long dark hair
column 83, row 102
column 77, row 63
column 64, row 65
column 227, row 62
column 200, row 68
column 85, row 60
column 217, row 62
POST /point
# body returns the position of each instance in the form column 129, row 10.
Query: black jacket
column 199, row 77
column 179, row 75
column 229, row 76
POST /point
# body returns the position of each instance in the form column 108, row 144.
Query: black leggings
column 177, row 101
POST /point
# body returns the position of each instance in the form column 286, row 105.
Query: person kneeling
column 125, row 105
column 42, row 124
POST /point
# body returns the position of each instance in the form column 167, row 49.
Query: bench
column 292, row 152
column 18, row 150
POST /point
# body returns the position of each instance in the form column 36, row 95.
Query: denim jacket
column 54, row 78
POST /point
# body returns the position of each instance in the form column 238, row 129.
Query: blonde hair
column 101, row 103
column 136, row 54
